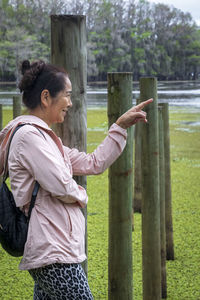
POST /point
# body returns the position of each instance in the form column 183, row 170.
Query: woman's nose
column 69, row 103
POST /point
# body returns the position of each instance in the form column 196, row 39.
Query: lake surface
column 176, row 93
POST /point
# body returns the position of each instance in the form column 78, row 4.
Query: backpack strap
column 6, row 174
column 33, row 199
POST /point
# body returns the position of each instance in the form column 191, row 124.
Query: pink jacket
column 57, row 227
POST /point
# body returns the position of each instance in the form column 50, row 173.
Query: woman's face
column 60, row 104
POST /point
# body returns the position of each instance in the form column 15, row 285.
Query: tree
column 136, row 36
column 17, row 42
column 193, row 61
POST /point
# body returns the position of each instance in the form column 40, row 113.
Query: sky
column 191, row 6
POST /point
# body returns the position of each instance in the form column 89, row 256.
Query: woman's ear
column 45, row 98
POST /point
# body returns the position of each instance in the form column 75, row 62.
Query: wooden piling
column 137, row 199
column 68, row 49
column 1, row 127
column 120, row 271
column 150, row 194
column 1, row 116
column 17, row 106
column 162, row 203
column 168, row 196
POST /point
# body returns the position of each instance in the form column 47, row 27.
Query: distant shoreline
column 8, row 83
column 97, row 83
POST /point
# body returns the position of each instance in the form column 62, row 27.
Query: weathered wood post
column 1, row 126
column 120, row 195
column 17, row 106
column 162, row 203
column 68, row 49
column 137, row 199
column 168, row 196
column 1, row 116
column 150, row 194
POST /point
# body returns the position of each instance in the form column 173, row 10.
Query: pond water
column 176, row 93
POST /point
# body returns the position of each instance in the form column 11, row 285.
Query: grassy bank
column 183, row 276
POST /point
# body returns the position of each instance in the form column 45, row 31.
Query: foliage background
column 136, row 36
column 183, row 277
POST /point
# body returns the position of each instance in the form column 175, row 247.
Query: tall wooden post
column 162, row 203
column 1, row 116
column 68, row 49
column 137, row 199
column 168, row 196
column 17, row 106
column 120, row 195
column 150, row 194
column 1, row 126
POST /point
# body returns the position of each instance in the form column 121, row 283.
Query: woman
column 55, row 243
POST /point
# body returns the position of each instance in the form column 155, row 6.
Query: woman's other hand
column 134, row 115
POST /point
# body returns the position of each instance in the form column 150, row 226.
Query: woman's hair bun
column 30, row 74
column 25, row 66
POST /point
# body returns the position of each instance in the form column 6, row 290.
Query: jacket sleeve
column 50, row 170
column 105, row 154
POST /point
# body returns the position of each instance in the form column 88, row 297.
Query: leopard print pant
column 61, row 282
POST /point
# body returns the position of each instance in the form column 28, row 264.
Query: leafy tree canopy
column 136, row 36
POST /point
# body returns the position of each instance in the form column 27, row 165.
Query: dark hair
column 38, row 76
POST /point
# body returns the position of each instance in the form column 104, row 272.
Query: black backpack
column 13, row 222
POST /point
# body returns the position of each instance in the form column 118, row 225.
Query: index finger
column 144, row 103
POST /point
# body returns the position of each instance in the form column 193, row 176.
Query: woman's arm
column 112, row 146
column 104, row 155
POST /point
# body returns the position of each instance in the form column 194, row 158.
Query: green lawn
column 183, row 275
